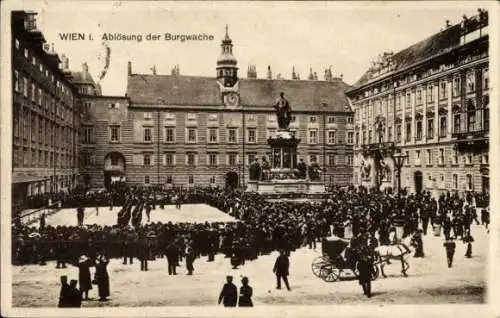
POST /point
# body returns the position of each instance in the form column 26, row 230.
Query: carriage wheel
column 375, row 272
column 317, row 264
column 330, row 273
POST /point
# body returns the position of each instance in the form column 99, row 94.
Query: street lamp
column 399, row 159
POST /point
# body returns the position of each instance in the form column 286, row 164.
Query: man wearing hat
column 84, row 275
column 281, row 269
column 417, row 243
column 229, row 293
column 450, row 245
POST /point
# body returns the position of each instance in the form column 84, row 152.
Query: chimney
column 85, row 69
column 153, row 69
column 294, row 75
column 129, row 68
column 269, row 73
column 448, row 24
column 311, row 76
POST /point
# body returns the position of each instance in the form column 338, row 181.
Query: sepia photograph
column 269, row 155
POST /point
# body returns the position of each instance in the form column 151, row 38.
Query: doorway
column 232, row 179
column 418, row 181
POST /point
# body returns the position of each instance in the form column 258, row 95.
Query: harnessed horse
column 399, row 251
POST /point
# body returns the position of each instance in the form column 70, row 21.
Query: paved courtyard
column 429, row 281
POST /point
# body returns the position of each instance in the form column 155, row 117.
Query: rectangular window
column 212, row 159
column 419, row 96
column 350, row 160
column 331, row 137
column 115, row 133
column 190, row 157
column 398, row 133
column 169, row 159
column 331, row 160
column 148, row 115
column 350, row 137
column 147, row 134
column 170, row 180
column 430, row 128
column 16, row 81
column 271, row 132
column 312, row 119
column 419, row 130
column 407, row 157
column 408, row 100
column 350, row 119
column 456, row 124
column 417, row 157
column 33, row 92
column 232, row 159
column 454, row 158
column 364, row 136
column 191, row 179
column 486, row 78
column 146, row 159
column 251, row 158
column 357, row 138
column 191, row 135
column 212, row 180
column 231, row 136
column 430, row 93
column 331, row 119
column 455, row 181
column 369, row 136
column 429, row 157
column 442, row 126
column 169, row 134
column 251, row 135
column 398, row 101
column 456, row 87
column 468, row 159
column 408, row 132
column 442, row 90
column 312, row 137
column 390, row 134
column 485, row 159
column 470, row 184
column 441, row 156
column 146, row 180
column 212, row 135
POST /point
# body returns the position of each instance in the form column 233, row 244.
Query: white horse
column 399, row 251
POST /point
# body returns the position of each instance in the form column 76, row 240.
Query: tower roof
column 226, row 59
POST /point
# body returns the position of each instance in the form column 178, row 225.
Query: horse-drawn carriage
column 336, row 258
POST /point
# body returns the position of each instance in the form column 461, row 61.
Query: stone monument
column 281, row 175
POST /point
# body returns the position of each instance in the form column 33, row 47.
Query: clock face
column 231, row 99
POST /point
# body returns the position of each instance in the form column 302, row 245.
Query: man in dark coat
column 65, row 293
column 365, row 266
column 80, row 211
column 229, row 293
column 75, row 296
column 281, row 269
column 42, row 222
column 418, row 244
column 450, row 245
column 190, row 260
column 246, row 292
column 172, row 254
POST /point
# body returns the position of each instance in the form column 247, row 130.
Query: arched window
column 471, row 115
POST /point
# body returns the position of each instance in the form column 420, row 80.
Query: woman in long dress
column 102, row 277
column 84, row 278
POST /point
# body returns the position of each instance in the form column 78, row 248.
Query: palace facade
column 191, row 130
column 45, row 114
column 429, row 102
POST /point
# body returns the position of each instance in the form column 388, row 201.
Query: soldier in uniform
column 143, row 252
column 190, row 260
column 365, row 267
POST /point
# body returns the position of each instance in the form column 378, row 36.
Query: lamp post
column 399, row 159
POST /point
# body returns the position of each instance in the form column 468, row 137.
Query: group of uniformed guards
column 263, row 226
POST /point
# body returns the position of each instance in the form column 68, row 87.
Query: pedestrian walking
column 229, row 293
column 190, row 260
column 172, row 254
column 84, row 278
column 365, row 266
column 246, row 292
column 102, row 277
column 281, row 269
column 450, row 245
column 468, row 239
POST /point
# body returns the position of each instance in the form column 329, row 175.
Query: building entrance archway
column 232, row 179
column 114, row 168
column 418, row 181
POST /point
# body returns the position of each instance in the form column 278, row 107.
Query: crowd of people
column 261, row 227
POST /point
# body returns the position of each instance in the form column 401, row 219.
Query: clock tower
column 227, row 71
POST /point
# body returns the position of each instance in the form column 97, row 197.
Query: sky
column 345, row 36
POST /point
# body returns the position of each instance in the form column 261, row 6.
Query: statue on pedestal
column 283, row 112
column 302, row 167
column 266, row 169
column 254, row 170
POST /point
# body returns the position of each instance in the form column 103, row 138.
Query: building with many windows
column 431, row 103
column 45, row 114
column 191, row 130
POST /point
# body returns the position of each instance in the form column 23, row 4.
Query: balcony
column 383, row 149
column 471, row 141
column 470, row 135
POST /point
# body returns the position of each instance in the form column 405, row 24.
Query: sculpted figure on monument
column 283, row 112
column 266, row 169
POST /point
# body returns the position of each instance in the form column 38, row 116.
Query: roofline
column 104, row 97
column 396, row 72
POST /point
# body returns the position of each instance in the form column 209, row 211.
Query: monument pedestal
column 284, row 177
